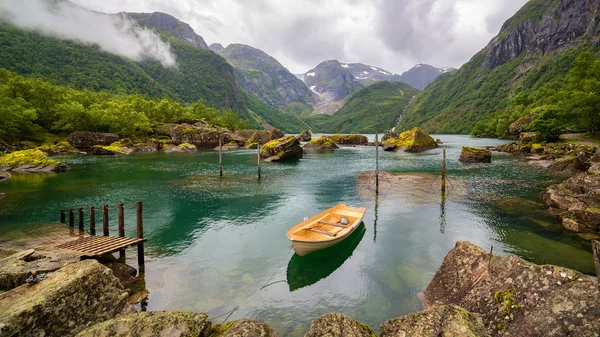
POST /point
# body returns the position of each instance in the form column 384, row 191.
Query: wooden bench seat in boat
column 320, row 231
column 333, row 224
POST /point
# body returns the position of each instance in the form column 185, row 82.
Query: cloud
column 111, row 33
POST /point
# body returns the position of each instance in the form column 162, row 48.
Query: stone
column 244, row 328
column 183, row 147
column 527, row 137
column 321, row 143
column 446, row 321
column 78, row 294
column 475, row 155
column 414, row 140
column 515, row 297
column 282, row 149
column 30, row 161
column 148, row 324
column 508, row 148
column 348, row 139
column 4, row 176
column 439, row 141
column 518, row 126
column 389, row 135
column 229, row 146
column 251, row 138
column 60, row 147
column 86, row 140
column 334, row 324
column 201, row 135
column 305, row 136
column 596, row 250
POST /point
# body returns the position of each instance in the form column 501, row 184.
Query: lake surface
column 215, row 242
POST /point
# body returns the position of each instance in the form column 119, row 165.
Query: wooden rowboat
column 325, row 229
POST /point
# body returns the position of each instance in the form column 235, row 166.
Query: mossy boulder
column 527, row 137
column 74, row 296
column 390, row 135
column 414, row 140
column 149, row 324
column 261, row 137
column 122, row 147
column 229, row 146
column 348, row 139
column 4, row 176
column 201, row 135
column 446, row 321
column 86, row 140
column 322, row 143
column 30, row 161
column 334, row 324
column 243, row 328
column 183, row 147
column 282, row 149
column 305, row 136
column 515, row 297
column 475, row 155
column 60, row 147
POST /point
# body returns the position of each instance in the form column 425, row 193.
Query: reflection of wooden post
column 121, row 226
column 444, row 172
column 92, row 221
column 140, row 234
column 376, row 162
column 71, row 218
column 258, row 160
column 105, row 220
column 62, row 216
column 220, row 157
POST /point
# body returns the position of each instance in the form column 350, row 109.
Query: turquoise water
column 215, row 242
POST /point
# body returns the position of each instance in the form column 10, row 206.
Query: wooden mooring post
column 105, row 220
column 71, row 218
column 80, row 219
column 220, row 156
column 62, row 216
column 92, row 221
column 596, row 251
column 444, row 172
column 140, row 235
column 258, row 160
column 376, row 161
column 121, row 227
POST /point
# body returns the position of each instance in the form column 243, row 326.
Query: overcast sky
column 391, row 34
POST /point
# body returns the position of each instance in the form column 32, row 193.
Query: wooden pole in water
column 444, row 172
column 71, row 220
column 121, row 226
column 490, row 262
column 62, row 216
column 376, row 161
column 140, row 234
column 105, row 220
column 258, row 160
column 92, row 221
column 220, row 157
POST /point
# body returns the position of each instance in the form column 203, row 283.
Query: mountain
column 375, row 107
column 367, row 74
column 264, row 77
column 168, row 24
column 215, row 47
column 529, row 61
column 421, row 75
column 332, row 83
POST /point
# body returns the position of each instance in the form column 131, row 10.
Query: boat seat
column 333, row 224
column 319, row 231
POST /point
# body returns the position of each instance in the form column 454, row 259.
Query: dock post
column 444, row 172
column 376, row 161
column 220, row 157
column 62, row 216
column 140, row 234
column 121, row 226
column 71, row 218
column 258, row 160
column 80, row 220
column 596, row 251
column 105, row 220
column 92, row 221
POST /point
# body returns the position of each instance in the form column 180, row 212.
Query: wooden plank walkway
column 92, row 246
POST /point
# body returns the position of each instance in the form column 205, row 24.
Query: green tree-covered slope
column 377, row 106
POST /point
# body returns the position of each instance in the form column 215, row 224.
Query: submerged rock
column 149, row 324
column 30, row 161
column 78, row 294
column 334, row 324
column 322, row 143
column 244, row 328
column 475, row 155
column 348, row 139
column 305, row 136
column 86, row 140
column 284, row 148
column 413, row 140
column 515, row 297
column 446, row 320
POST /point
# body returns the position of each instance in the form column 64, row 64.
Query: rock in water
column 322, row 143
column 414, row 140
column 515, row 297
column 4, row 176
column 305, row 136
column 64, row 303
column 446, row 320
column 335, row 324
column 389, row 135
column 475, row 155
column 31, row 161
column 348, row 139
column 157, row 323
column 244, row 328
column 284, row 148
column 86, row 140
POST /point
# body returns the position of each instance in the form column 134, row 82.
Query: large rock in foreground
column 515, row 297
column 335, row 324
column 414, row 140
column 31, row 161
column 158, row 323
column 64, row 303
column 284, row 148
column 475, row 155
column 86, row 140
column 348, row 139
column 447, row 320
column 244, row 328
column 322, row 143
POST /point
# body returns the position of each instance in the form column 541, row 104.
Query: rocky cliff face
column 332, row 82
column 216, row 47
column 264, row 77
column 421, row 75
column 542, row 27
column 167, row 23
column 367, row 74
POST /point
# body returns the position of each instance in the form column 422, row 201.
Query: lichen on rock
column 243, row 328
column 322, row 143
column 305, row 136
column 284, row 148
column 348, row 139
column 334, row 324
column 475, row 155
column 30, row 161
column 414, row 140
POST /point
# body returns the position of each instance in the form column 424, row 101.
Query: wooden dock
column 95, row 246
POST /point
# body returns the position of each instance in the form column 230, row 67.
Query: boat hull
column 303, row 248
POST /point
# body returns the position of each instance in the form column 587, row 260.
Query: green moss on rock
column 414, row 140
column 475, row 155
column 30, row 161
column 324, row 143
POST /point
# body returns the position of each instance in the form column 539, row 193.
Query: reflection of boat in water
column 325, row 229
column 303, row 271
